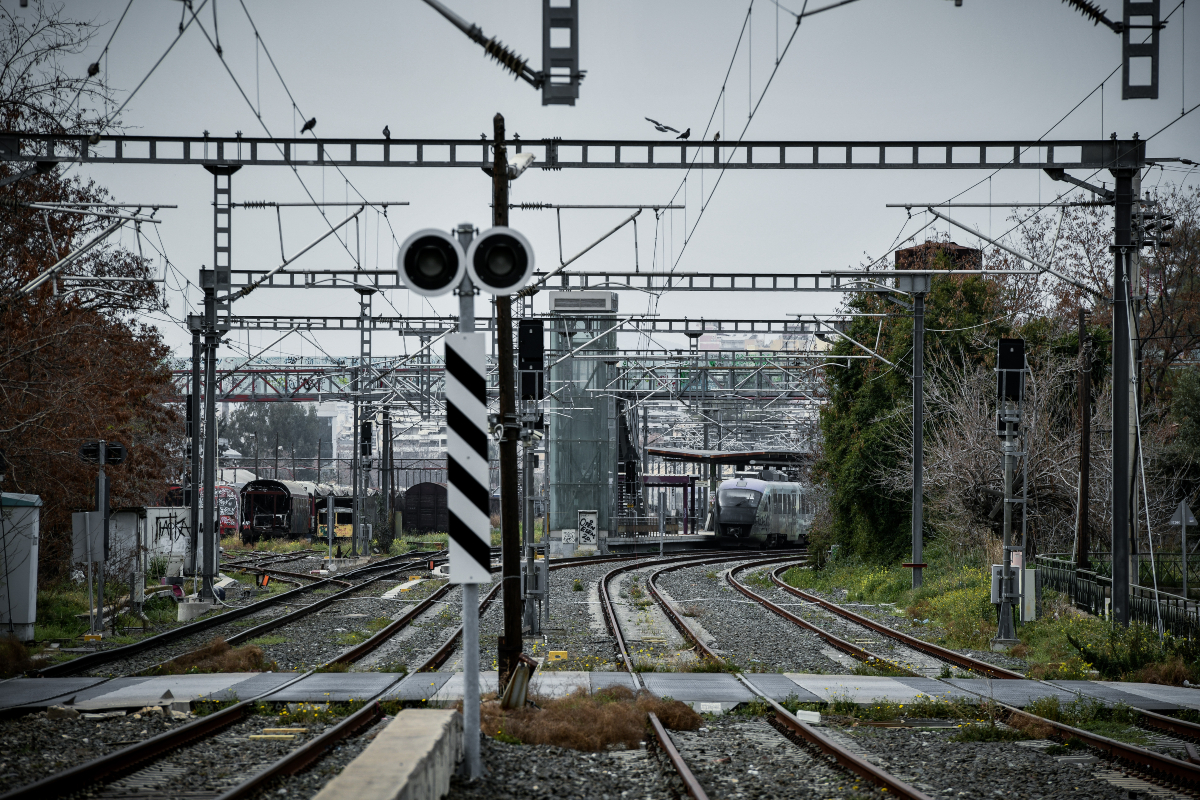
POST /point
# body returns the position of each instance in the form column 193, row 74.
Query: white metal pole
column 470, row 591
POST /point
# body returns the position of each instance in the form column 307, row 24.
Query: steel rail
column 690, row 783
column 675, row 617
column 304, row 575
column 100, row 657
column 836, row 641
column 287, row 619
column 123, row 761
column 1150, row 719
column 610, row 615
column 267, row 558
column 309, row 752
column 943, row 653
column 1160, row 766
column 371, row 644
column 862, row 767
column 442, row 653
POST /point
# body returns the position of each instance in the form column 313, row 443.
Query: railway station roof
column 754, row 457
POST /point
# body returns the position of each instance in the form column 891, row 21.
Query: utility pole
column 209, row 564
column 1121, row 451
column 1083, row 543
column 510, row 645
column 918, row 422
column 195, row 322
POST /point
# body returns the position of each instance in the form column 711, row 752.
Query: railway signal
column 500, row 260
column 431, row 262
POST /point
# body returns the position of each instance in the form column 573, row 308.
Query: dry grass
column 1172, row 672
column 608, row 719
column 1033, row 728
column 218, row 656
column 14, row 658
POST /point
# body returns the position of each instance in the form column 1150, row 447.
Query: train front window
column 740, row 498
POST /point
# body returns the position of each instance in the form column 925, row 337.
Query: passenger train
column 763, row 512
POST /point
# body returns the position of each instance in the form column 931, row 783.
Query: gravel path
column 552, row 773
column 743, row 631
column 930, row 761
column 736, row 757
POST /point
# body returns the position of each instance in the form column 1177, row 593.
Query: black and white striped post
column 467, row 501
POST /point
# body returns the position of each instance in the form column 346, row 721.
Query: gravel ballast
column 742, row 630
column 540, row 772
column 737, row 757
column 928, row 760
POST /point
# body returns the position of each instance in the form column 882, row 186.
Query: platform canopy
column 755, row 458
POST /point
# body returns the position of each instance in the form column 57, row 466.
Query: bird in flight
column 660, row 127
column 308, row 126
column 685, row 134
column 387, row 132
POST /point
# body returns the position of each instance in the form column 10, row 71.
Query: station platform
column 715, row 692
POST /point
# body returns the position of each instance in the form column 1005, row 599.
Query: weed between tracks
column 608, row 719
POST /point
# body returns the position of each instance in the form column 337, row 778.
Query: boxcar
column 275, row 509
column 425, row 509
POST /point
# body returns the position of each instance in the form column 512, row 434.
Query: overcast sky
column 874, row 69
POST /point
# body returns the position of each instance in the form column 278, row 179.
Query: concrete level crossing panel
column 138, row 692
column 1011, row 692
column 452, row 690
column 603, row 680
column 935, row 689
column 42, row 692
column 716, row 692
column 559, row 683
column 861, row 689
column 255, row 686
column 1185, row 698
column 780, row 687
column 419, row 687
column 1111, row 694
column 335, row 687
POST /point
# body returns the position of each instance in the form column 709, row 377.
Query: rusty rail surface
column 690, row 783
column 945, row 654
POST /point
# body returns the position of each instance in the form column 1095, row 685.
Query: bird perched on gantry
column 387, row 132
column 685, row 134
column 308, row 126
column 661, row 128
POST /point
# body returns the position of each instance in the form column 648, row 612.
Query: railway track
column 692, row 785
column 1153, row 766
column 100, row 658
column 139, row 770
column 1146, row 764
column 1182, row 729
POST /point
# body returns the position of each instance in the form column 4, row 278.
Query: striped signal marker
column 467, row 495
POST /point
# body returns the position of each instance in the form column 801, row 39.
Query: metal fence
column 1092, row 592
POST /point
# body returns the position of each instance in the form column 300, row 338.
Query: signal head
column 431, row 262
column 500, row 261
